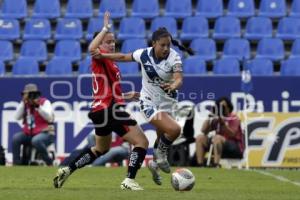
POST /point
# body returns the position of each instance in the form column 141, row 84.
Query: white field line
column 277, row 177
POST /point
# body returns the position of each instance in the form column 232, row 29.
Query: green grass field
column 104, row 183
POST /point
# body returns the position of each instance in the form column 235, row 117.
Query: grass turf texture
column 35, row 183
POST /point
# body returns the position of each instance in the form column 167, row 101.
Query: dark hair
column 217, row 110
column 163, row 32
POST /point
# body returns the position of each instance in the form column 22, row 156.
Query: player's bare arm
column 94, row 45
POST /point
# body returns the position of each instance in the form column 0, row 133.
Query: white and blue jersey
column 153, row 98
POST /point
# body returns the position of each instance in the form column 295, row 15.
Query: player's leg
column 171, row 129
column 136, row 137
column 88, row 155
column 152, row 165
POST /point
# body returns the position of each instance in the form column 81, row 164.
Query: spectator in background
column 119, row 150
column 228, row 142
column 38, row 129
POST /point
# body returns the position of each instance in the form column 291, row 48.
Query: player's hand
column 168, row 87
column 106, row 20
column 131, row 96
column 96, row 54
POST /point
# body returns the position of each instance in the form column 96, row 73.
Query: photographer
column 38, row 129
column 228, row 142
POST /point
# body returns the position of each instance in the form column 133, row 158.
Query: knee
column 217, row 139
column 142, row 142
column 174, row 130
column 35, row 142
column 16, row 138
column 201, row 139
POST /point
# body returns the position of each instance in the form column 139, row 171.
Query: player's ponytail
column 163, row 32
column 181, row 47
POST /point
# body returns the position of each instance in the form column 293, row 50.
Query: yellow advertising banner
column 273, row 139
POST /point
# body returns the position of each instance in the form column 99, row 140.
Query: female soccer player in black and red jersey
column 108, row 113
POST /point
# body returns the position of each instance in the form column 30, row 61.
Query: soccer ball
column 182, row 179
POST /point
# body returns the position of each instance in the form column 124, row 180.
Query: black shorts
column 114, row 118
column 231, row 150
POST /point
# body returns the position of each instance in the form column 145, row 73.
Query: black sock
column 86, row 157
column 164, row 143
column 136, row 159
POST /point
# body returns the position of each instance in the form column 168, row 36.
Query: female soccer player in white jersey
column 161, row 78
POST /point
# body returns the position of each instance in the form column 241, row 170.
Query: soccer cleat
column 61, row 176
column 162, row 161
column 152, row 166
column 130, row 184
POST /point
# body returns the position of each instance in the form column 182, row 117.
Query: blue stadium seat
column 2, row 68
column 226, row 66
column 38, row 29
column 145, row 9
column 132, row 27
column 46, row 9
column 94, row 25
column 6, row 52
column 194, row 27
column 290, row 67
column 260, row 67
column 272, row 8
column 85, row 66
column 128, row 68
column 288, row 28
column 35, row 49
column 9, row 29
column 168, row 22
column 241, row 8
column 271, row 48
column 131, row 45
column 68, row 29
column 13, row 9
column 178, row 8
column 68, row 49
column 209, row 9
column 205, row 48
column 117, row 9
column 258, row 28
column 25, row 66
column 295, row 52
column 227, row 27
column 194, row 65
column 237, row 48
column 295, row 9
column 59, row 66
column 79, row 9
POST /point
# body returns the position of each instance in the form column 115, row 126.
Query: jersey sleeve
column 136, row 55
column 177, row 63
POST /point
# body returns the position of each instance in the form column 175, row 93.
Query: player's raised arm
column 94, row 45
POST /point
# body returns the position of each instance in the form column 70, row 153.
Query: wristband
column 104, row 29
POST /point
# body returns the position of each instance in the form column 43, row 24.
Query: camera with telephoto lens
column 34, row 95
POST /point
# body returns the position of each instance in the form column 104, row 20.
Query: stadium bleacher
column 258, row 31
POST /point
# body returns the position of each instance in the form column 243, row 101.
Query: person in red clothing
column 228, row 142
column 108, row 114
column 38, row 130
